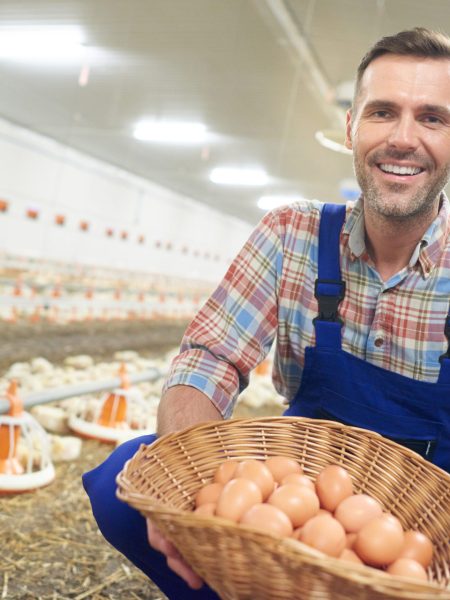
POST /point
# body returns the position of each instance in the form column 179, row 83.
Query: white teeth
column 397, row 170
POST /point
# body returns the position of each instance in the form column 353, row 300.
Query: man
column 359, row 308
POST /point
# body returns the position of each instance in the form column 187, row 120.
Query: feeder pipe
column 80, row 389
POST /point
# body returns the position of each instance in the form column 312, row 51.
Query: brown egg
column 256, row 471
column 324, row 533
column 225, row 471
column 296, row 534
column 357, row 510
column 350, row 556
column 299, row 479
column 208, row 493
column 268, row 518
column 280, row 466
column 237, row 496
column 351, row 537
column 206, row 510
column 417, row 546
column 333, row 484
column 380, row 541
column 407, row 567
column 298, row 502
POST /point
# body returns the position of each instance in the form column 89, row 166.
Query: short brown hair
column 419, row 42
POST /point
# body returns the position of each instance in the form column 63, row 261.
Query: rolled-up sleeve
column 235, row 329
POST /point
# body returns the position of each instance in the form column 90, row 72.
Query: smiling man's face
column 400, row 135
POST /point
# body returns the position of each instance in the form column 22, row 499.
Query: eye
column 432, row 119
column 381, row 114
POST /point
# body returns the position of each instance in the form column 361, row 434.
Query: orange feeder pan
column 19, row 427
column 112, row 420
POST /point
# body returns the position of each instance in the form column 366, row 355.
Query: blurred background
column 140, row 143
column 142, row 140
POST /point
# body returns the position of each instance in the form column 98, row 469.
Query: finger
column 174, row 560
column 168, row 548
column 155, row 537
column 178, row 565
column 159, row 542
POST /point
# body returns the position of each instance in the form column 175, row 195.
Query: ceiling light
column 170, row 132
column 38, row 44
column 270, row 202
column 333, row 140
column 235, row 176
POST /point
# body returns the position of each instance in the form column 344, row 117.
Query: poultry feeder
column 25, row 462
column 122, row 413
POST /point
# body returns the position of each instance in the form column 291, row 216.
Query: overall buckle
column 329, row 303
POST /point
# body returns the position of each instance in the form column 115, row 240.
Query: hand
column 174, row 559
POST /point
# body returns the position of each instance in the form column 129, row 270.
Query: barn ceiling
column 262, row 76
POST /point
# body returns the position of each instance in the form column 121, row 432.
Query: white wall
column 55, row 179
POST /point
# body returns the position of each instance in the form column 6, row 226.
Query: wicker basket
column 239, row 562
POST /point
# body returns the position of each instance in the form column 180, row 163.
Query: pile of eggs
column 275, row 496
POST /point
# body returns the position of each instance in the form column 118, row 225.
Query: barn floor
column 23, row 341
column 50, row 546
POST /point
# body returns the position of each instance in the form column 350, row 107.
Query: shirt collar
column 428, row 250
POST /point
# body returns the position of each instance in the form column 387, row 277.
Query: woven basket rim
column 207, row 425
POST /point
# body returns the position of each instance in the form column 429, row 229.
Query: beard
column 397, row 201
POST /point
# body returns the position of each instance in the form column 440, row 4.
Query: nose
column 403, row 133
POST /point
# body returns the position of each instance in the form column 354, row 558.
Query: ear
column 348, row 131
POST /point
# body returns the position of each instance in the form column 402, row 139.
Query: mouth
column 395, row 172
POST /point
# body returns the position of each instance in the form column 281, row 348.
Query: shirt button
column 379, row 342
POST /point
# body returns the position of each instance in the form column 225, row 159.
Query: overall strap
column 444, row 359
column 329, row 287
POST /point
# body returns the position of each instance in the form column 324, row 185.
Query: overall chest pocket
column 419, row 434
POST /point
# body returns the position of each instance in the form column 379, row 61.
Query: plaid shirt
column 268, row 294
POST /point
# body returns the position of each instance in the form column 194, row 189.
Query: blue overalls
column 339, row 386
column 335, row 385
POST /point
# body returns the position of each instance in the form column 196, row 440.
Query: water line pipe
column 80, row 389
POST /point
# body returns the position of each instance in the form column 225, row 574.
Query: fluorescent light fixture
column 270, row 202
column 41, row 44
column 170, row 132
column 235, row 176
column 333, row 140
